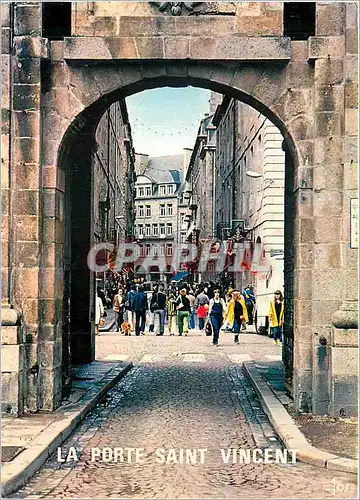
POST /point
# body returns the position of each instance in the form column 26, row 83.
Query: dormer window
column 170, row 189
column 162, row 190
column 148, row 190
column 141, row 191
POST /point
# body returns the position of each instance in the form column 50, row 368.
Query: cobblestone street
column 181, row 393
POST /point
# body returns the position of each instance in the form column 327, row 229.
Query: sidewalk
column 29, row 440
column 267, row 378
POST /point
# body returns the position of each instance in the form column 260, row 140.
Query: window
column 170, row 189
column 169, row 250
column 148, row 248
column 169, row 229
column 148, row 230
column 141, row 211
column 299, row 20
column 140, row 230
column 147, row 211
column 56, row 20
column 155, row 230
column 148, row 190
column 162, row 229
column 162, row 190
column 162, row 250
column 142, row 251
column 162, row 210
column 155, row 250
column 141, row 191
column 169, row 209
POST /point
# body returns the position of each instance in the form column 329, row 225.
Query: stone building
column 249, row 193
column 295, row 62
column 156, row 207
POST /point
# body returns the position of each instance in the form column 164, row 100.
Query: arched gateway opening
column 94, row 88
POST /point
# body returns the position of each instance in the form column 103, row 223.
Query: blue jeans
column 159, row 320
column 277, row 333
column 201, row 323
column 192, row 319
column 216, row 322
column 237, row 326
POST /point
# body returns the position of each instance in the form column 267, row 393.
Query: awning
column 179, row 276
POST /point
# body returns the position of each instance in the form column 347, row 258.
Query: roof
column 165, row 169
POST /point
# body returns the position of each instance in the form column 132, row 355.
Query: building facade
column 157, row 218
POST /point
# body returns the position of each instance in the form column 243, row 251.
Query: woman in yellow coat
column 236, row 314
column 276, row 316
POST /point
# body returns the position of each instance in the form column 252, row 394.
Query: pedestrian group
column 180, row 307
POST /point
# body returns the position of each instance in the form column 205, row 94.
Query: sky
column 166, row 120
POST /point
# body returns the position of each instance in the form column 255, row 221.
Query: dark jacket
column 129, row 300
column 159, row 299
column 140, row 302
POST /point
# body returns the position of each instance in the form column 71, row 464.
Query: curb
column 20, row 470
column 288, row 431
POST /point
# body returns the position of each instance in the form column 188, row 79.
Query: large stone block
column 344, row 379
column 351, row 44
column 12, row 392
column 328, row 124
column 5, row 40
column 329, row 150
column 322, row 312
column 326, row 47
column 327, row 284
column 26, row 202
column 27, row 227
column 27, row 19
column 27, row 176
column 12, row 358
column 345, row 338
column 351, row 68
column 10, row 335
column 351, row 95
column 351, row 121
column 329, row 72
column 269, row 23
column 26, row 71
column 30, row 309
column 304, row 256
column 327, row 256
column 178, row 48
column 330, row 18
column 303, row 312
column 327, row 203
column 26, row 150
column 328, row 176
column 26, row 123
column 27, row 254
column 329, row 98
column 26, row 284
column 26, row 97
column 302, row 278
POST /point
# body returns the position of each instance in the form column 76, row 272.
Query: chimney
column 141, row 163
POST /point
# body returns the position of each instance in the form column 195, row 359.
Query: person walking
column 140, row 306
column 191, row 296
column 129, row 307
column 202, row 306
column 276, row 316
column 171, row 312
column 183, row 312
column 228, row 296
column 236, row 314
column 250, row 301
column 159, row 308
column 118, row 307
column 217, row 309
column 99, row 311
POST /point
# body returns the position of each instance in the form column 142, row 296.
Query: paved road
column 182, row 393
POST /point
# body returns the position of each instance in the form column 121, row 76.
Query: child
column 276, row 316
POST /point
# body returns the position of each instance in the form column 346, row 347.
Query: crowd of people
column 184, row 307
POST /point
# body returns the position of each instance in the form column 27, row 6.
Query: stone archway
column 94, row 87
